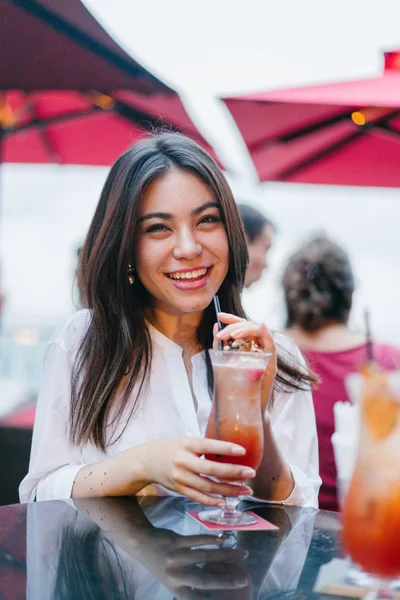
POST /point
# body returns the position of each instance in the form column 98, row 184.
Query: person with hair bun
column 318, row 284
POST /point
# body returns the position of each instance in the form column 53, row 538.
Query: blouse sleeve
column 54, row 461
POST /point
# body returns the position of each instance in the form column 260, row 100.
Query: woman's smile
column 190, row 279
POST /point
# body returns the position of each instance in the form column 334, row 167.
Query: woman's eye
column 156, row 228
column 210, row 219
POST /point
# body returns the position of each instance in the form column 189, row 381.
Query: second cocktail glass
column 371, row 514
column 236, row 416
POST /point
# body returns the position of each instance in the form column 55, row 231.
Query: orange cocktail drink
column 371, row 514
column 236, row 414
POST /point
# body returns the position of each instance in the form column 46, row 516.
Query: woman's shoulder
column 70, row 334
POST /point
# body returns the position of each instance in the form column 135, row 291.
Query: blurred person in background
column 318, row 284
column 260, row 234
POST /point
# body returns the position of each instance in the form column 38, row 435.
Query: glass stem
column 231, row 505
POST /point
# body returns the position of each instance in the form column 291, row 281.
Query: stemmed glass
column 236, row 417
column 371, row 512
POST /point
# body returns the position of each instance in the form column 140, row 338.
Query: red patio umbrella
column 69, row 93
column 344, row 133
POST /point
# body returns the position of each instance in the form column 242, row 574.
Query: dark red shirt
column 332, row 368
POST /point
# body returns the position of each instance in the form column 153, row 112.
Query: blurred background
column 208, row 51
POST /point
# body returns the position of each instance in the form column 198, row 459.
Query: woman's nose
column 187, row 246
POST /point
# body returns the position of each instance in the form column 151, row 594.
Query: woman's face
column 258, row 250
column 182, row 252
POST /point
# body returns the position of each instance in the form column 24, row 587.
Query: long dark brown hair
column 115, row 353
column 89, row 568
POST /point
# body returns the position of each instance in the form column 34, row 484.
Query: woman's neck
column 181, row 329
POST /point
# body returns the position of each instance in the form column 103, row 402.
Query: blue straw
column 217, row 307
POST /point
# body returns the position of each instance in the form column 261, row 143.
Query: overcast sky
column 206, row 49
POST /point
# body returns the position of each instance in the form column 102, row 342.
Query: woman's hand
column 176, row 464
column 238, row 328
column 192, row 572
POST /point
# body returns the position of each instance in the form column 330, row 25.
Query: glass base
column 227, row 517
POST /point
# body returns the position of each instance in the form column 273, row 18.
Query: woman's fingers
column 193, row 577
column 227, row 318
column 183, row 543
column 237, row 328
column 224, row 471
column 234, row 331
column 210, row 446
column 247, row 329
column 199, row 497
column 183, row 558
column 204, row 485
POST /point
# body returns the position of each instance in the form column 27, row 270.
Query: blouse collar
column 170, row 346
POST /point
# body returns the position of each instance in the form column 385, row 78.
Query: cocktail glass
column 371, row 512
column 236, row 417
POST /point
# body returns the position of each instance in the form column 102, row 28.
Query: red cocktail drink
column 237, row 402
column 248, row 436
column 236, row 413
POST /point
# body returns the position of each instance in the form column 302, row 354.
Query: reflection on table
column 150, row 549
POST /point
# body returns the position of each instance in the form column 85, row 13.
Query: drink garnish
column 381, row 407
column 242, row 345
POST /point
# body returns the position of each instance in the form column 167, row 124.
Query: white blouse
column 165, row 408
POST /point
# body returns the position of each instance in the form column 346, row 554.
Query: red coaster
column 261, row 525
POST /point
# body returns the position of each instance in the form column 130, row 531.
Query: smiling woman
column 126, row 387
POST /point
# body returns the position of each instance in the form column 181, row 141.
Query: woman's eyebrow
column 155, row 215
column 204, row 206
column 167, row 216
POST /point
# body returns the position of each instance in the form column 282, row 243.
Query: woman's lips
column 194, row 283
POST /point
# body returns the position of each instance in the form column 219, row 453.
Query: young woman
column 319, row 284
column 126, row 388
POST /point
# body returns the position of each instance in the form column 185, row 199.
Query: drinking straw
column 370, row 351
column 217, row 307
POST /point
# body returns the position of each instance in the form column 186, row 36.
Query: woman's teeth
column 188, row 274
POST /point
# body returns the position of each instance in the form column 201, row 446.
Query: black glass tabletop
column 151, row 549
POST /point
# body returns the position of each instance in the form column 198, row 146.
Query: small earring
column 131, row 278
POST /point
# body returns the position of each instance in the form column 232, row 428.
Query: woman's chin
column 198, row 303
column 194, row 307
